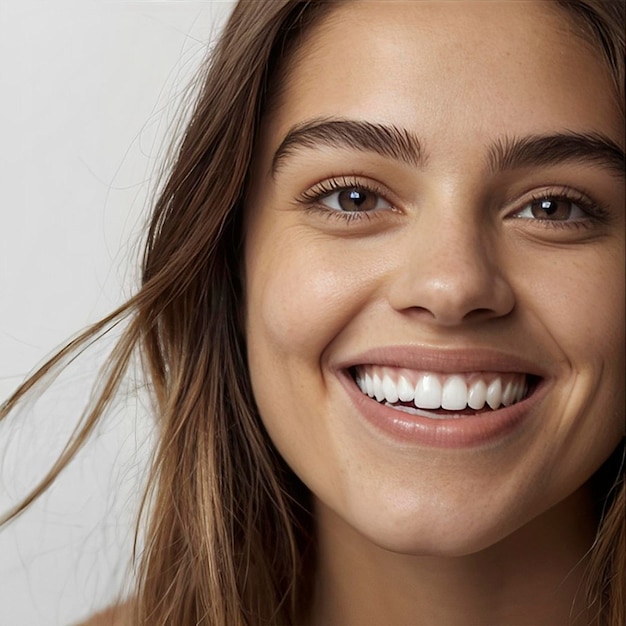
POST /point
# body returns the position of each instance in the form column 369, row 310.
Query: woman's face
column 436, row 220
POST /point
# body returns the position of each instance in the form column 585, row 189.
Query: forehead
column 449, row 68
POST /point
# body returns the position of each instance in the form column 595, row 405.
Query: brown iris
column 552, row 209
column 357, row 199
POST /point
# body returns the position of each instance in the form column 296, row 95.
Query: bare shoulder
column 118, row 615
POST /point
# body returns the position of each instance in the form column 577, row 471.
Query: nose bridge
column 459, row 248
column 452, row 270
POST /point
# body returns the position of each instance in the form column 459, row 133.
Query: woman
column 382, row 316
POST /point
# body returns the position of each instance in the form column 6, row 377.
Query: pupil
column 357, row 197
column 549, row 207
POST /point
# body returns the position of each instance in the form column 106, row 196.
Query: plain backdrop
column 89, row 92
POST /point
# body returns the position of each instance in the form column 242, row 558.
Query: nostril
column 479, row 313
column 446, row 293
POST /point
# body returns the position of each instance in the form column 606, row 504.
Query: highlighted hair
column 229, row 531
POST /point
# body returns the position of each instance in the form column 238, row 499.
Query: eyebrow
column 590, row 148
column 509, row 153
column 383, row 139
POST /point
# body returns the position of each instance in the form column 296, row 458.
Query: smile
column 408, row 390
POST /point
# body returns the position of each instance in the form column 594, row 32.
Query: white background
column 88, row 91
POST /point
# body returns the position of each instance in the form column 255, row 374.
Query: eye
column 552, row 208
column 354, row 199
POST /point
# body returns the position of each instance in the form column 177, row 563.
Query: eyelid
column 575, row 208
column 585, row 201
column 334, row 184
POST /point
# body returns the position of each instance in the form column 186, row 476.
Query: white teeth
column 379, row 394
column 414, row 411
column 428, row 392
column 454, row 394
column 451, row 392
column 406, row 392
column 360, row 383
column 494, row 393
column 477, row 395
column 508, row 395
column 389, row 389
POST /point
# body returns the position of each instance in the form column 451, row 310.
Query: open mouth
column 443, row 395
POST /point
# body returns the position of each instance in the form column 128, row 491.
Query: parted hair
column 228, row 532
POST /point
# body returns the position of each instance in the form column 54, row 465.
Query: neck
column 531, row 577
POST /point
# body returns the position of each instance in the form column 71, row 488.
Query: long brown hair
column 229, row 539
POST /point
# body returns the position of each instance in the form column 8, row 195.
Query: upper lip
column 443, row 360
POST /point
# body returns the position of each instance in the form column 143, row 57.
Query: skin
column 450, row 258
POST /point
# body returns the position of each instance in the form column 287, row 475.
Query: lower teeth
column 425, row 413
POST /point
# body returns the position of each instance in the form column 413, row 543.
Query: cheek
column 295, row 305
column 569, row 294
column 297, row 302
column 292, row 312
column 580, row 302
column 301, row 292
column 576, row 305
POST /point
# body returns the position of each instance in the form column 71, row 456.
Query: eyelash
column 311, row 198
column 595, row 213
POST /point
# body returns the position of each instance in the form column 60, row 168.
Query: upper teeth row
column 455, row 393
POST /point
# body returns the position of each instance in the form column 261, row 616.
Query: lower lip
column 457, row 431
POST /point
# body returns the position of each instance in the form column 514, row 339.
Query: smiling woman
column 383, row 318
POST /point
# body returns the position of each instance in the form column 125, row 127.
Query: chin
column 460, row 526
column 455, row 539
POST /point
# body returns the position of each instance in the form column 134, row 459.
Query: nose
column 452, row 273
